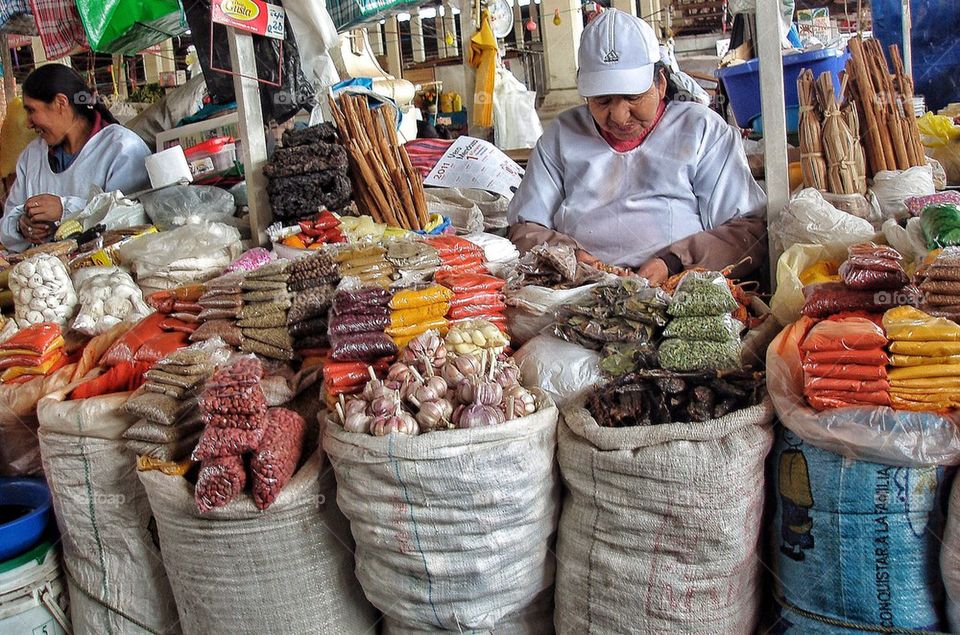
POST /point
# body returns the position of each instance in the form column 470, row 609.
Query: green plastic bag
column 941, row 225
column 126, row 27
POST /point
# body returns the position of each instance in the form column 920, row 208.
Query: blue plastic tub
column 28, row 501
column 742, row 82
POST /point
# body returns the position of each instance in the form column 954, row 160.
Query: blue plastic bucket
column 742, row 82
column 28, row 499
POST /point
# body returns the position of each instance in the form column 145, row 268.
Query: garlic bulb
column 400, row 423
column 357, row 422
column 434, row 415
column 507, row 374
column 523, row 401
column 386, row 404
column 479, row 415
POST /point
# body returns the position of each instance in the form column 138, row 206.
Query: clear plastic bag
column 941, row 225
column 866, row 279
column 716, row 328
column 910, row 324
column 220, row 481
column 276, row 459
column 361, row 347
column 220, row 442
column 196, row 244
column 829, row 298
column 179, row 205
column 690, row 355
column 566, row 372
column 702, row 293
column 346, row 324
column 879, row 434
column 156, row 407
column 250, row 260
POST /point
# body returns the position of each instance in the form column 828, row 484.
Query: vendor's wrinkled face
column 626, row 117
column 51, row 121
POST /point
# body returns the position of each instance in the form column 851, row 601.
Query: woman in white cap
column 636, row 178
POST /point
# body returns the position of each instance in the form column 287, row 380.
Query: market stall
column 363, row 414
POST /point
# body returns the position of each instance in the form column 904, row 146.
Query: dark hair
column 672, row 89
column 50, row 80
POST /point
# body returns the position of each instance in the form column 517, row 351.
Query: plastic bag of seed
column 276, row 459
column 702, row 293
column 220, row 481
column 220, row 442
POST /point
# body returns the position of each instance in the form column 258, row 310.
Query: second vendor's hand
column 654, row 270
column 587, row 258
column 44, row 208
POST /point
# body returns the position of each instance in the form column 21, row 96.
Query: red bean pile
column 275, row 462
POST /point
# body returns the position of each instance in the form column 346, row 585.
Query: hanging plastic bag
column 60, row 27
column 280, row 104
column 515, row 120
column 181, row 204
column 126, row 27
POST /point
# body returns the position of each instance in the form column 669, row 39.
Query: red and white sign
column 252, row 16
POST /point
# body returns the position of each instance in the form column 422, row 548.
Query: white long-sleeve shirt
column 112, row 160
column 689, row 175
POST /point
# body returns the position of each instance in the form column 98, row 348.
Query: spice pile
column 654, row 397
column 358, row 321
column 263, row 317
column 221, row 304
column 925, row 360
column 323, row 229
column 940, row 284
column 430, row 388
column 844, row 364
column 367, row 263
column 475, row 296
column 622, row 319
column 238, row 422
column 312, row 283
column 873, row 281
column 553, row 266
column 169, row 424
column 35, row 350
column 702, row 334
column 415, row 311
column 308, row 172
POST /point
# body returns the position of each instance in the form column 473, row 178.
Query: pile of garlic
column 42, row 291
column 428, row 389
column 473, row 337
column 108, row 296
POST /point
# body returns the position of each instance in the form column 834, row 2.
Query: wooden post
column 253, row 143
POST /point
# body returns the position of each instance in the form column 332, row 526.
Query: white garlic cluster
column 42, row 291
column 108, row 296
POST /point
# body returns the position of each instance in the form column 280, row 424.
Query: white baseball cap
column 617, row 54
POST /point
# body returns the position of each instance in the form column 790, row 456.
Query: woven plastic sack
column 950, row 559
column 19, row 448
column 452, row 533
column 115, row 570
column 126, row 27
column 660, row 524
column 856, row 545
column 239, row 570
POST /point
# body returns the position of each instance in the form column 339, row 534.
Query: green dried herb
column 689, row 355
column 715, row 328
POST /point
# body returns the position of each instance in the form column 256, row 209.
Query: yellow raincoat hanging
column 483, row 57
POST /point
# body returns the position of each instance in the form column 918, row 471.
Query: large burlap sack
column 950, row 558
column 111, row 556
column 19, row 448
column 454, row 529
column 239, row 570
column 660, row 524
column 855, row 544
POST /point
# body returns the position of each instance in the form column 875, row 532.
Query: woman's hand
column 654, row 270
column 44, row 208
column 35, row 233
column 587, row 258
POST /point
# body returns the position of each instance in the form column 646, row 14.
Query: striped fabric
column 61, row 30
column 424, row 153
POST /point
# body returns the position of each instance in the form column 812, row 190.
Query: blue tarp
column 935, row 45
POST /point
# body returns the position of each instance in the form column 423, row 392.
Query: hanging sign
column 252, row 16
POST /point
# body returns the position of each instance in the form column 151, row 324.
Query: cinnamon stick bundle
column 390, row 189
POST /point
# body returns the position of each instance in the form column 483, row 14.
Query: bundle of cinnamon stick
column 884, row 102
column 388, row 188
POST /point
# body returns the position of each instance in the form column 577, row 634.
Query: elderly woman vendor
column 80, row 145
column 633, row 178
